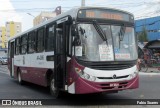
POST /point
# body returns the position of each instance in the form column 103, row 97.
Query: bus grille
column 111, row 66
column 119, row 77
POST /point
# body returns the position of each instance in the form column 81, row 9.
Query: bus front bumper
column 83, row 86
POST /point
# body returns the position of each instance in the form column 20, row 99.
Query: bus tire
column 20, row 81
column 54, row 91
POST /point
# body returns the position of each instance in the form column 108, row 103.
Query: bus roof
column 73, row 13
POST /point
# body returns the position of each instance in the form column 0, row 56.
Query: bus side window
column 40, row 40
column 24, row 44
column 31, row 42
column 49, row 44
column 17, row 46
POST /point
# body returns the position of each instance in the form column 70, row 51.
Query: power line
column 30, row 9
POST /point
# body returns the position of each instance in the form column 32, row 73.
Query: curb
column 149, row 73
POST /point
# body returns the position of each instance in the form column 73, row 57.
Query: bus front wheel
column 53, row 90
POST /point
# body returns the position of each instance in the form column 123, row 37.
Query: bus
column 85, row 50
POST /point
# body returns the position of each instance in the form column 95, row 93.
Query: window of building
column 40, row 40
column 31, row 42
column 17, row 45
column 49, row 44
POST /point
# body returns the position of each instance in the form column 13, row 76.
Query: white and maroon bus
column 85, row 50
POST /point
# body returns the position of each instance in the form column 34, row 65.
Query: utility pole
column 83, row 3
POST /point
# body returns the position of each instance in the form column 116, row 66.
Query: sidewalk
column 151, row 71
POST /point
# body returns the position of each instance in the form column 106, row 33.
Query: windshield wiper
column 100, row 31
column 122, row 32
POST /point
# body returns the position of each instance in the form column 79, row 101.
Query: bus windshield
column 120, row 45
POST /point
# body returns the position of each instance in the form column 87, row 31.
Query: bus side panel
column 33, row 75
column 34, row 67
column 37, row 75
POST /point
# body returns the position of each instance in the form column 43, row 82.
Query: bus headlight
column 133, row 75
column 85, row 75
column 92, row 78
column 89, row 77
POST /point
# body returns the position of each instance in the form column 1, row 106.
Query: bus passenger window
column 49, row 44
column 24, row 44
column 17, row 49
column 40, row 40
column 31, row 42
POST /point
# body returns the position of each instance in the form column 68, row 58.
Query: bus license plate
column 114, row 85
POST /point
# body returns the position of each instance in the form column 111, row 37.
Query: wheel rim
column 19, row 77
column 52, row 86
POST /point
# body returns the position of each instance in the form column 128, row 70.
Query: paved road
column 10, row 89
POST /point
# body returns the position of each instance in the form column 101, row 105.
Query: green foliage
column 142, row 37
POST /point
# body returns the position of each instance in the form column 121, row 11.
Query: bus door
column 60, row 55
column 12, row 47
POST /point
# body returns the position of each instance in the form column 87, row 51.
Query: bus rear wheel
column 54, row 91
column 20, row 77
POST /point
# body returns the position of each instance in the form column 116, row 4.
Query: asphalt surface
column 11, row 89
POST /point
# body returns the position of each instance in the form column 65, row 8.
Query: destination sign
column 106, row 14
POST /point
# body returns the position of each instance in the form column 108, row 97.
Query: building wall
column 152, row 26
column 43, row 17
column 3, row 39
column 12, row 28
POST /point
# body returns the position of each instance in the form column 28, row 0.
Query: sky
column 19, row 10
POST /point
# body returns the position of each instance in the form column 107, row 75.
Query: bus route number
column 40, row 57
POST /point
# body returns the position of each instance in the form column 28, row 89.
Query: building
column 43, row 16
column 12, row 28
column 152, row 26
column 3, row 39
